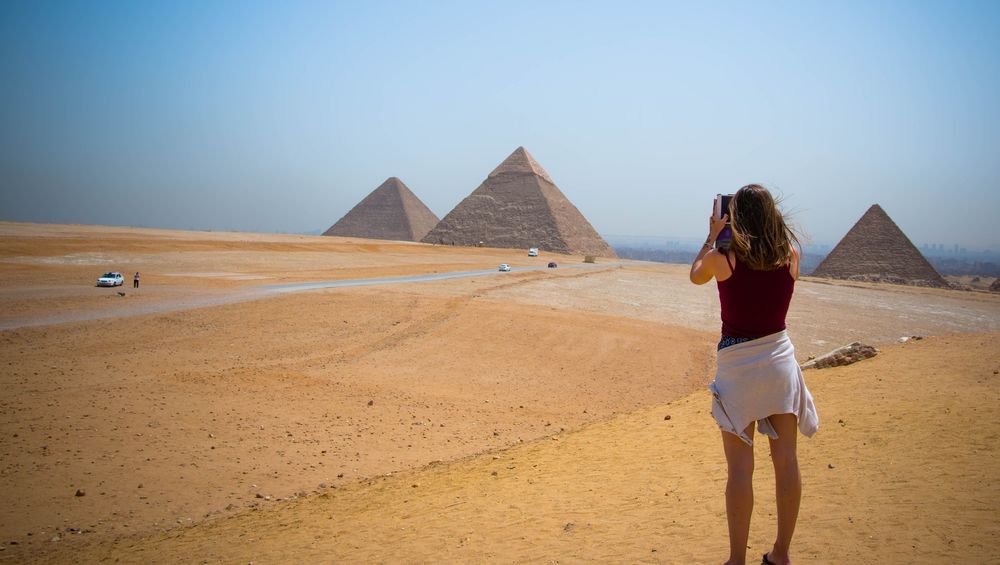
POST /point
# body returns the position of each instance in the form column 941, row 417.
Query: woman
column 757, row 379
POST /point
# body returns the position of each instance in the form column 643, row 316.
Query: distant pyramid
column 391, row 211
column 518, row 205
column 876, row 249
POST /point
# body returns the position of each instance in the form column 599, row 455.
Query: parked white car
column 111, row 279
column 533, row 252
column 504, row 267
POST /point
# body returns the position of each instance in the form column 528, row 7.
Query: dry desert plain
column 549, row 415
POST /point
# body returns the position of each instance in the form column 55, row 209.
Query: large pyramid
column 876, row 249
column 518, row 205
column 391, row 211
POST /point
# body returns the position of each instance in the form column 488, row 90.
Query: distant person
column 135, row 280
column 757, row 377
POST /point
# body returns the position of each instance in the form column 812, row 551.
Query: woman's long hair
column 761, row 238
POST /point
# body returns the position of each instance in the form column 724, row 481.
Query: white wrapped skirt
column 759, row 378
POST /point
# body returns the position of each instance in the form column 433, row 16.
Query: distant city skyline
column 280, row 117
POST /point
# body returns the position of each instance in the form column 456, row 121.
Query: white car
column 533, row 252
column 111, row 279
column 504, row 267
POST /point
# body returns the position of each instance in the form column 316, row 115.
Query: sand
column 508, row 418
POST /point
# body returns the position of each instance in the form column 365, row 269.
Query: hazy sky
column 281, row 116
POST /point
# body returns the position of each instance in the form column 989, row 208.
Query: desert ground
column 550, row 415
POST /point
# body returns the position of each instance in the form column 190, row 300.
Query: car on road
column 552, row 265
column 111, row 279
column 504, row 267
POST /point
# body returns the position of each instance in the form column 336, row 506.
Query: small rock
column 80, row 492
column 55, row 538
column 323, row 485
column 258, row 495
column 667, row 417
column 569, row 526
column 371, row 402
column 829, row 466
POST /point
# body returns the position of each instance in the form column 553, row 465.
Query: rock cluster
column 851, row 353
column 995, row 287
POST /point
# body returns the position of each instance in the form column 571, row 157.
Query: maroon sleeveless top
column 754, row 303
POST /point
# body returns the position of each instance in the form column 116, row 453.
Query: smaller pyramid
column 875, row 249
column 391, row 211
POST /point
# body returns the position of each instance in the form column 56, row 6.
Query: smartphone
column 721, row 208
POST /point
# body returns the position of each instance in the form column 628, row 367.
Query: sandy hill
column 518, row 206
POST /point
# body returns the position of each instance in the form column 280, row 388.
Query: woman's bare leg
column 739, row 494
column 788, row 484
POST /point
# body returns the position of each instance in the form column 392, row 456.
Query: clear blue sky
column 280, row 116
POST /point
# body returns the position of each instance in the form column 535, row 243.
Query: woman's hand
column 715, row 226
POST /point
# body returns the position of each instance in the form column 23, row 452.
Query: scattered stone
column 55, row 538
column 371, row 402
column 667, row 417
column 569, row 526
column 907, row 338
column 851, row 353
column 258, row 495
column 323, row 485
column 829, row 466
column 80, row 492
column 995, row 287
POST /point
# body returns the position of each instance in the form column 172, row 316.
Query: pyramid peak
column 391, row 181
column 520, row 161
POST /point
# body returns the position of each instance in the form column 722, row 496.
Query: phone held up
column 721, row 208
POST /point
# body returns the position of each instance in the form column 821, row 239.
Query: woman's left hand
column 715, row 226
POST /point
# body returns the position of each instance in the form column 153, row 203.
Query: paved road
column 296, row 287
column 248, row 293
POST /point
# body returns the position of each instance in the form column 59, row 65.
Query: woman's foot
column 770, row 558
